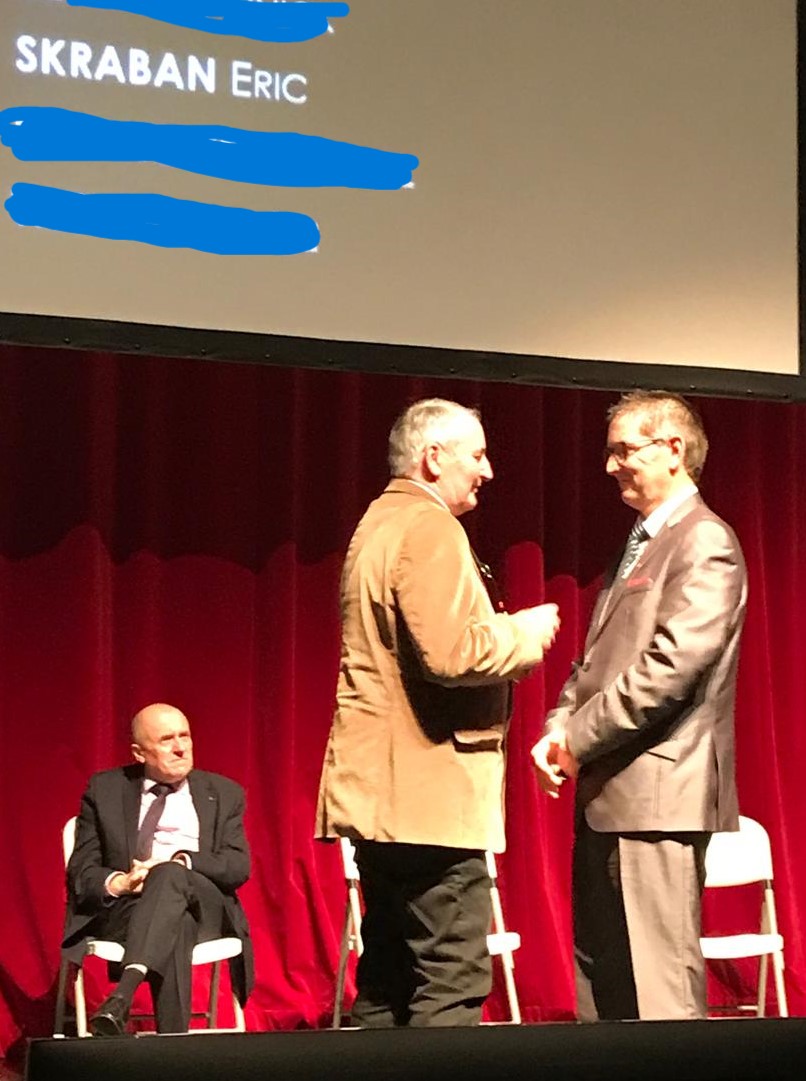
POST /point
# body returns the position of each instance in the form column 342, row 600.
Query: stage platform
column 713, row 1050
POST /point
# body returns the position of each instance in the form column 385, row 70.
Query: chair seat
column 723, row 947
column 217, row 949
column 103, row 948
column 503, row 942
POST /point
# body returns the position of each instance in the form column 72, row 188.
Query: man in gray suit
column 645, row 724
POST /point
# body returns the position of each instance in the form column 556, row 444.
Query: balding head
column 161, row 740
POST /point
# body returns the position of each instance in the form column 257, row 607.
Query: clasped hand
column 131, row 881
column 553, row 762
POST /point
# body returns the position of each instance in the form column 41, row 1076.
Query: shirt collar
column 660, row 515
column 148, row 784
column 430, row 490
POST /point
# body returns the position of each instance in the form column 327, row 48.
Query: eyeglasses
column 622, row 451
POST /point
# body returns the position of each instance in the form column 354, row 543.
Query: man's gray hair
column 424, row 422
column 667, row 414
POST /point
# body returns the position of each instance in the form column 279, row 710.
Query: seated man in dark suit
column 160, row 851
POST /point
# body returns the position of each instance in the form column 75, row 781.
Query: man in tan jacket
column 414, row 766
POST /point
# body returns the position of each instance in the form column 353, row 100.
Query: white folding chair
column 212, row 952
column 500, row 942
column 737, row 859
column 351, row 929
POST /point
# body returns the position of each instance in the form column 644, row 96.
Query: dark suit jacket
column 648, row 710
column 106, row 832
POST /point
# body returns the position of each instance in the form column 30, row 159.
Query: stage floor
column 770, row 1048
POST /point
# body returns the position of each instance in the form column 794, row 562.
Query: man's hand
column 566, row 761
column 554, row 763
column 131, row 881
column 541, row 622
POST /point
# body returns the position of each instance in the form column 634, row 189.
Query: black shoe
column 111, row 1017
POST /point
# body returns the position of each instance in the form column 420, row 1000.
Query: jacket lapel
column 132, row 792
column 609, row 597
column 205, row 800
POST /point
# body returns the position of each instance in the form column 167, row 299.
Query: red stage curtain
column 173, row 530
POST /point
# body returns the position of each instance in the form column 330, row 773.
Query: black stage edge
column 713, row 1050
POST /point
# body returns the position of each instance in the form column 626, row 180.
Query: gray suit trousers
column 637, row 901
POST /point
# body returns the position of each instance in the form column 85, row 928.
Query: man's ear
column 137, row 753
column 431, row 467
column 677, row 445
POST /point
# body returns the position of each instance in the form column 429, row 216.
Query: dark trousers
column 637, row 912
column 427, row 912
column 159, row 928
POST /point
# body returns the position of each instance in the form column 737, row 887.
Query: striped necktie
column 636, row 537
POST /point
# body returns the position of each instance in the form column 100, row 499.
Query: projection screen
column 547, row 190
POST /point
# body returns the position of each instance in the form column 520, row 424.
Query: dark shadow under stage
column 677, row 1050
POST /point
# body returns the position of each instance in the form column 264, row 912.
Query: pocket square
column 640, row 583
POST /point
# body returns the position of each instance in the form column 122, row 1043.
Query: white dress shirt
column 178, row 827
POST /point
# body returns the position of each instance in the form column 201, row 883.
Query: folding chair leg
column 780, row 990
column 344, row 952
column 509, row 981
column 81, row 1004
column 507, row 960
column 61, row 998
column 212, row 1006
column 770, row 922
column 237, row 1009
column 761, row 1002
column 354, row 900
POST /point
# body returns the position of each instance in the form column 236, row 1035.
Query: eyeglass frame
column 629, row 449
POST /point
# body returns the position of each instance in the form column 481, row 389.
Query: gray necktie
column 635, row 539
column 148, row 827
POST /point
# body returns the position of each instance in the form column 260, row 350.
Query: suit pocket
column 468, row 740
column 639, row 584
column 669, row 750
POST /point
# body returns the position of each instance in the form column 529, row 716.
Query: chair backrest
column 69, row 838
column 734, row 859
column 348, row 859
column 492, row 868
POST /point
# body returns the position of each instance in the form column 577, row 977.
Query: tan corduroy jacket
column 416, row 750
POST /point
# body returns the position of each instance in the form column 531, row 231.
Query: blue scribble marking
column 233, row 18
column 163, row 221
column 37, row 133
